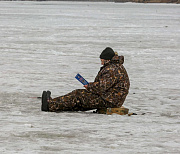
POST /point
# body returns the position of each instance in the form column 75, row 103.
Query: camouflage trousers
column 78, row 100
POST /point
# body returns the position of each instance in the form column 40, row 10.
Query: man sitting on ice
column 109, row 89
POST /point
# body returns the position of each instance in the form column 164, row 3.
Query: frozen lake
column 42, row 47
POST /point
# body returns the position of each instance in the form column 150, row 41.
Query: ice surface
column 43, row 45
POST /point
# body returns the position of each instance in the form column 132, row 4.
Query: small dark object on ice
column 130, row 114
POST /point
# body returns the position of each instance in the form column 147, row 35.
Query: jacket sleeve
column 106, row 80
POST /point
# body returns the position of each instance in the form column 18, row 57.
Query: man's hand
column 86, row 86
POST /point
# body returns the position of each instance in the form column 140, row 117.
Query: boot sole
column 44, row 106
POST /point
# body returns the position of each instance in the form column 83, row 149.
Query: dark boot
column 44, row 106
column 48, row 95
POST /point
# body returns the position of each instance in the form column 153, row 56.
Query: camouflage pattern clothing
column 109, row 89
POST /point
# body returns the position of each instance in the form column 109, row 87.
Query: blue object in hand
column 81, row 79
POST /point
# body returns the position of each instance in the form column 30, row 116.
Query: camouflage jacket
column 112, row 82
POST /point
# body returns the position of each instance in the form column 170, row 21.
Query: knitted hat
column 107, row 54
